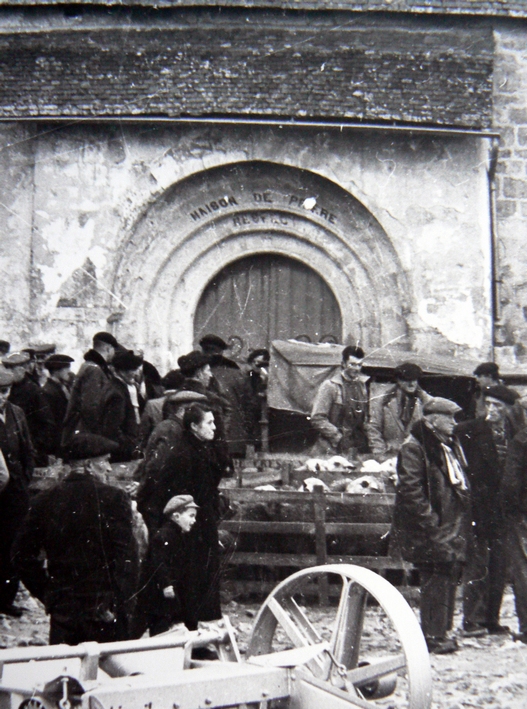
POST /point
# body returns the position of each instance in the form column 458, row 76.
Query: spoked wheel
column 371, row 651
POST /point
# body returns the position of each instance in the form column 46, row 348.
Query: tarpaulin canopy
column 297, row 369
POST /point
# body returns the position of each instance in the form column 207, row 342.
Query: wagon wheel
column 372, row 641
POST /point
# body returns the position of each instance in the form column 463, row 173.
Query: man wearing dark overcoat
column 57, row 395
column 17, row 450
column 121, row 408
column 432, row 520
column 485, row 442
column 76, row 550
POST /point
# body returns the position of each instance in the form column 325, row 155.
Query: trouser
column 76, row 628
column 485, row 577
column 438, row 593
column 517, row 557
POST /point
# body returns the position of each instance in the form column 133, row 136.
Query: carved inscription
column 310, row 204
column 250, row 218
column 214, row 205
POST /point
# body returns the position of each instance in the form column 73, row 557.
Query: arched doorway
column 264, row 297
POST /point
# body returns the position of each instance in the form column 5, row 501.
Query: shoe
column 522, row 637
column 473, row 630
column 496, row 629
column 441, row 646
column 12, row 610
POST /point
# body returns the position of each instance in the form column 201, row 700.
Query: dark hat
column 5, row 346
column 178, row 503
column 490, row 369
column 352, row 351
column 105, row 337
column 16, row 359
column 258, row 353
column 408, row 371
column 191, row 362
column 42, row 351
column 151, row 373
column 88, row 445
column 173, row 379
column 58, row 361
column 185, row 396
column 30, row 351
column 126, row 359
column 502, row 393
column 6, row 378
column 208, row 341
column 438, row 405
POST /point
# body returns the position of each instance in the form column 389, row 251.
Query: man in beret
column 57, row 394
column 91, row 389
column 76, row 550
column 340, row 409
column 432, row 522
column 29, row 397
column 17, row 449
column 256, row 394
column 121, row 410
column 393, row 414
column 485, row 442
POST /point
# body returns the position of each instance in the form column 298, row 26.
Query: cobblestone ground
column 487, row 673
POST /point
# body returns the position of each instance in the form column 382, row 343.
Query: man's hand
column 169, row 592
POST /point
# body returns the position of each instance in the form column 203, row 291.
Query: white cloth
column 455, row 471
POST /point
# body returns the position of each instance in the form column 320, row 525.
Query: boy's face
column 185, row 518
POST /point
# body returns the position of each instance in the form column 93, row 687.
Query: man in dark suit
column 76, row 550
column 57, row 394
column 485, row 442
column 121, row 411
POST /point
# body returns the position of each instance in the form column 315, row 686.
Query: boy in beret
column 57, row 394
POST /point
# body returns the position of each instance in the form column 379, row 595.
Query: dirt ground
column 486, row 673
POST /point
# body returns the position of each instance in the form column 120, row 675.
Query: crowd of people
column 107, row 567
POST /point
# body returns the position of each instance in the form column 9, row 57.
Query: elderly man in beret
column 485, row 442
column 17, row 450
column 76, row 550
column 57, row 395
column 432, row 521
column 393, row 414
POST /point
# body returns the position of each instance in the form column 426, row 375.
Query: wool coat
column 432, row 516
column 57, row 401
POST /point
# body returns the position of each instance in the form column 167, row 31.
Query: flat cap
column 127, row 359
column 191, row 362
column 88, row 445
column 502, row 393
column 185, row 397
column 490, row 369
column 408, row 371
column 178, row 503
column 58, row 361
column 6, row 378
column 41, row 351
column 208, row 341
column 105, row 337
column 438, row 405
column 16, row 359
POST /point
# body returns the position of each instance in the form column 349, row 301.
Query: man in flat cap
column 57, row 394
column 38, row 355
column 485, row 442
column 432, row 522
column 91, row 389
column 76, row 550
column 171, row 572
column 17, row 449
column 29, row 397
column 340, row 409
column 393, row 414
column 121, row 410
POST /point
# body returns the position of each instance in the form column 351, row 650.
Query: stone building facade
column 266, row 168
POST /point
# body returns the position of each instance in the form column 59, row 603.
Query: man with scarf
column 432, row 520
column 393, row 414
column 340, row 408
column 485, row 442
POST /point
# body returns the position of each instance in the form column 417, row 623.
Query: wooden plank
column 344, row 529
column 292, row 496
column 303, row 560
column 264, row 587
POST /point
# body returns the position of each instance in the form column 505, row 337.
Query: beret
column 502, row 393
column 58, row 361
column 192, row 361
column 88, row 445
column 173, row 379
column 438, row 405
column 6, row 378
column 16, row 359
column 213, row 341
column 5, row 345
column 258, row 353
column 408, row 371
column 491, row 369
column 179, row 502
column 105, row 337
column 126, row 359
column 185, row 397
column 352, row 351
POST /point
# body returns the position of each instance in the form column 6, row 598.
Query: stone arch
column 211, row 219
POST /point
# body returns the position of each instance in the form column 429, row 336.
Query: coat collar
column 94, row 357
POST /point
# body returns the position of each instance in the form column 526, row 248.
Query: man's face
column 443, row 423
column 185, row 519
column 496, row 409
column 258, row 363
column 351, row 367
column 204, row 374
column 4, row 394
column 100, row 466
column 409, row 387
column 63, row 374
column 128, row 375
column 206, row 428
column 19, row 372
column 485, row 380
column 39, row 367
